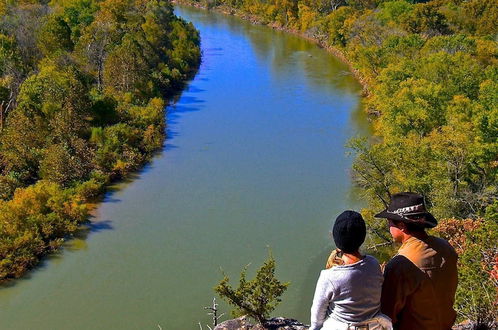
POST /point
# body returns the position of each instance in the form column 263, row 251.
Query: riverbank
column 429, row 72
column 257, row 20
column 88, row 110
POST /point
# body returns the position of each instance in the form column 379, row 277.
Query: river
column 254, row 158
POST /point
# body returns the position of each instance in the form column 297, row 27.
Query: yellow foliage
column 487, row 51
column 306, row 17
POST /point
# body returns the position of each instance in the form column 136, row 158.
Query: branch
column 374, row 247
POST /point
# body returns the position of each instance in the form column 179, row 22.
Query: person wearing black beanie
column 349, row 231
column 348, row 292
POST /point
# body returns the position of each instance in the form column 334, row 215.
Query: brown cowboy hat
column 408, row 207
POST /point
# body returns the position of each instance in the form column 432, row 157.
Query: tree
column 35, row 221
column 361, row 4
column 51, row 160
column 257, row 297
column 334, row 22
column 476, row 17
column 8, row 184
column 324, row 6
column 100, row 37
column 64, row 163
column 53, row 90
column 21, row 146
column 394, row 12
column 54, row 36
column 427, row 19
column 450, row 44
column 458, row 74
column 78, row 14
column 126, row 69
column 6, row 100
column 23, row 24
column 11, row 75
column 418, row 106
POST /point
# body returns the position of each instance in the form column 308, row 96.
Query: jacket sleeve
column 324, row 295
column 399, row 283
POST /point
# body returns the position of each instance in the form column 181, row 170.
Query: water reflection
column 285, row 51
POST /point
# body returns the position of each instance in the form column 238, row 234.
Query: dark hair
column 412, row 227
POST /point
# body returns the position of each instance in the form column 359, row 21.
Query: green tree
column 12, row 73
column 53, row 90
column 126, row 70
column 334, row 23
column 427, row 19
column 54, row 36
column 78, row 14
column 394, row 12
column 458, row 74
column 64, row 163
column 257, row 297
column 418, row 106
column 21, row 146
column 101, row 36
column 450, row 44
column 51, row 159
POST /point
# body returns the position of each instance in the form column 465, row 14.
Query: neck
column 418, row 234
column 351, row 258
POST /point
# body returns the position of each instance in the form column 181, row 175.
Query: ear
column 402, row 227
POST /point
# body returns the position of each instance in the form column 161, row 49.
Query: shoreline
column 338, row 53
column 89, row 204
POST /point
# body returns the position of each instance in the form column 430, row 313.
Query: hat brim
column 430, row 221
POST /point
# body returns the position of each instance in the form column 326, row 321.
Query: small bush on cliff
column 256, row 298
column 477, row 293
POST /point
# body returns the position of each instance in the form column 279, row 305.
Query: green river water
column 255, row 157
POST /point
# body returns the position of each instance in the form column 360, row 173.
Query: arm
column 324, row 294
column 400, row 281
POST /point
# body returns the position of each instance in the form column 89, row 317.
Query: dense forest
column 82, row 88
column 430, row 69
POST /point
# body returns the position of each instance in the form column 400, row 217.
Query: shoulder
column 438, row 243
column 401, row 272
column 400, row 265
column 326, row 275
column 371, row 260
column 326, row 280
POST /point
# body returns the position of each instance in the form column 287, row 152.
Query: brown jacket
column 419, row 285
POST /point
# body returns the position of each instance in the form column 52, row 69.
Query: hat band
column 408, row 210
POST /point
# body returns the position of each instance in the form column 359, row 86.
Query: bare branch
column 376, row 246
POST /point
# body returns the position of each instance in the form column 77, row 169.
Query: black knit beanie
column 349, row 231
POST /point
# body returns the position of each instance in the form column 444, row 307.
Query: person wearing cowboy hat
column 420, row 281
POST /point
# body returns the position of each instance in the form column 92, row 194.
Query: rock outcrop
column 276, row 323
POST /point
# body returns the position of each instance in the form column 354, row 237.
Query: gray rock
column 276, row 323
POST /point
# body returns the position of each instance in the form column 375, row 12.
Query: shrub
column 256, row 298
column 477, row 292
